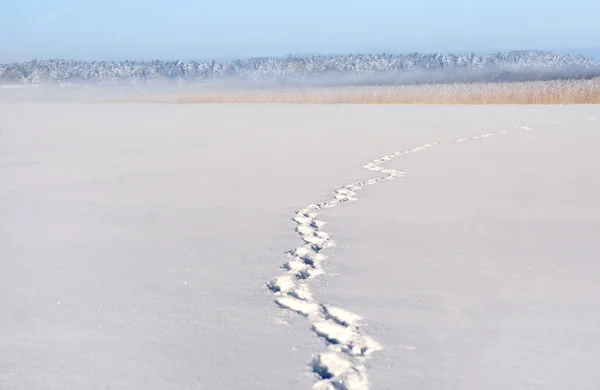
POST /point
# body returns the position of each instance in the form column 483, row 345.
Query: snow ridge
column 342, row 366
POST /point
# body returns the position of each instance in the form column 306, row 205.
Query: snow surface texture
column 342, row 366
column 136, row 241
column 312, row 70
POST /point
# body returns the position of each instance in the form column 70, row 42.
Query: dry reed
column 533, row 92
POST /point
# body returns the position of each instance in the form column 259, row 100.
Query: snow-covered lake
column 154, row 247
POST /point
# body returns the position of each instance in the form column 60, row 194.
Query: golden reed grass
column 533, row 92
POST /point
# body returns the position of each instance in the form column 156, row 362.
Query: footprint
column 342, row 365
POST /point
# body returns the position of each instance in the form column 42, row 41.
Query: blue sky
column 224, row 29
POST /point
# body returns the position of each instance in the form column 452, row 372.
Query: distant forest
column 351, row 69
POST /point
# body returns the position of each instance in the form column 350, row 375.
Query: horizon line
column 564, row 52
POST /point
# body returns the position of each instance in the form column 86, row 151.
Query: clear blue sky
column 223, row 29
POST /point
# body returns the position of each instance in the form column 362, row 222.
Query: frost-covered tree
column 390, row 68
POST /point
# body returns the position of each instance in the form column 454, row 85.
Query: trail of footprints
column 342, row 365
